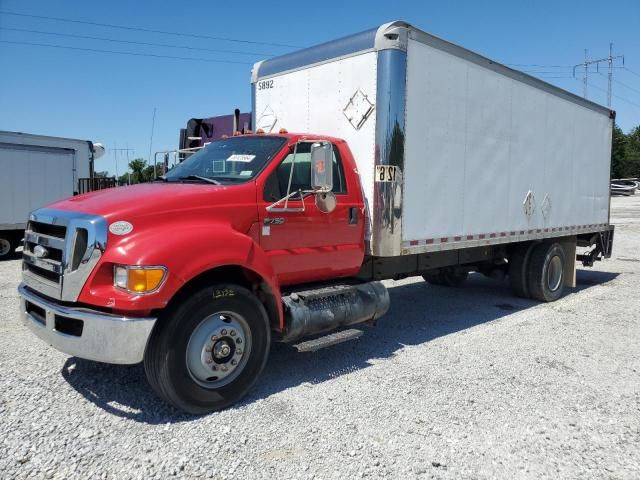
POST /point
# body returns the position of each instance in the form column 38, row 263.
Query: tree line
column 625, row 153
column 139, row 172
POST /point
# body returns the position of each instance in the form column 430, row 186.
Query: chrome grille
column 51, row 237
column 60, row 251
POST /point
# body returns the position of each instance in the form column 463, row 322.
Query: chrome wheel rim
column 554, row 273
column 5, row 247
column 218, row 349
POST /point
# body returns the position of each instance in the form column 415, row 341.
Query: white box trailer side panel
column 313, row 99
column 32, row 177
column 477, row 142
column 83, row 148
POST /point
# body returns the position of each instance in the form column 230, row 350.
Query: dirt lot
column 453, row 383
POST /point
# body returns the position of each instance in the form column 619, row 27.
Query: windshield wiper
column 202, row 179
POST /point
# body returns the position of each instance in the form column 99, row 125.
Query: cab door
column 306, row 244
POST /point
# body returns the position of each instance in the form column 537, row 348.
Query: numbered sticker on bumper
column 386, row 173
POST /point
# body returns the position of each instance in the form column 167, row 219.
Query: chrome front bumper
column 86, row 333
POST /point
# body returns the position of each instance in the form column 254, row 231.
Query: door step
column 328, row 340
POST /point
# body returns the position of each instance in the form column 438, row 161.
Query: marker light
column 136, row 279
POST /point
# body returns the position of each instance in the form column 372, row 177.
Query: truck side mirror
column 321, row 167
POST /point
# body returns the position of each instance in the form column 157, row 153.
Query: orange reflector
column 142, row 280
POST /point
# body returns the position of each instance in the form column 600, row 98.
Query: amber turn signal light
column 138, row 279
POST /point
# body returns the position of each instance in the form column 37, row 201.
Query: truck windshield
column 231, row 160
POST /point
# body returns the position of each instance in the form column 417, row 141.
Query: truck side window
column 276, row 185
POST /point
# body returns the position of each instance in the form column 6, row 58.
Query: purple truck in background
column 201, row 131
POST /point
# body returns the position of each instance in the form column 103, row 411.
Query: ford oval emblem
column 120, row 228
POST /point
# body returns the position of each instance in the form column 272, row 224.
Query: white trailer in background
column 454, row 150
column 36, row 170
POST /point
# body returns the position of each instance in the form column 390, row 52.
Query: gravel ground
column 453, row 383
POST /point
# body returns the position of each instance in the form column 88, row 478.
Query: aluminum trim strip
column 45, row 264
column 412, row 247
column 41, row 284
column 44, row 240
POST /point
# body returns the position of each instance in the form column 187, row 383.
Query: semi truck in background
column 202, row 131
column 37, row 170
column 199, row 133
column 416, row 157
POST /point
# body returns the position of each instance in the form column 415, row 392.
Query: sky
column 110, row 98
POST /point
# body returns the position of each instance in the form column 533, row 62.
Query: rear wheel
column 208, row 352
column 519, row 269
column 546, row 272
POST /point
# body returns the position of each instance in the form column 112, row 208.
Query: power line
column 610, row 59
column 620, row 83
column 631, row 71
column 88, row 37
column 146, row 30
column 536, row 65
column 541, row 71
column 545, row 77
column 614, row 95
column 626, row 86
column 196, row 59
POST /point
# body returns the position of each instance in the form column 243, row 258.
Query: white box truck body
column 454, row 150
column 36, row 170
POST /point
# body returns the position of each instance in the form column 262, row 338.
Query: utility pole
column 115, row 153
column 609, row 60
column 586, row 73
column 153, row 124
column 115, row 157
column 128, row 163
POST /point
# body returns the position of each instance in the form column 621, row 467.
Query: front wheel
column 205, row 354
column 546, row 272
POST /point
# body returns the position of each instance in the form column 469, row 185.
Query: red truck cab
column 190, row 273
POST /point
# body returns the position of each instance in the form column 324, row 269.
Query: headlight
column 137, row 279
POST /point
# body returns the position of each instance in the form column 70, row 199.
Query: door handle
column 353, row 215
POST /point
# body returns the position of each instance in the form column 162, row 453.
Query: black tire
column 166, row 359
column 453, row 277
column 546, row 272
column 448, row 277
column 519, row 269
column 432, row 277
column 7, row 246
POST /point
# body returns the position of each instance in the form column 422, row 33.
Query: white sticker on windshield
column 240, row 158
column 246, row 173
